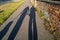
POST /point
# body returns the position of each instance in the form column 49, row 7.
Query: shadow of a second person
column 5, row 30
column 32, row 35
column 18, row 24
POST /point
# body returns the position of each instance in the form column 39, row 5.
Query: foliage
column 40, row 13
column 7, row 9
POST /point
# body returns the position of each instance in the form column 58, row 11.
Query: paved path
column 24, row 24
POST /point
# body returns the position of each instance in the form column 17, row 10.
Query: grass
column 40, row 13
column 7, row 9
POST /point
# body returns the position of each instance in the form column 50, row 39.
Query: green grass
column 7, row 9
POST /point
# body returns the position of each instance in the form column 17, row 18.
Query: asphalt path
column 24, row 24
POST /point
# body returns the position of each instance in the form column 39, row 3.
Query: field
column 7, row 9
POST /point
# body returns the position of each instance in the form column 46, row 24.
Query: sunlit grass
column 7, row 9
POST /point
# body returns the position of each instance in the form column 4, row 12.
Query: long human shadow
column 18, row 24
column 32, row 35
column 5, row 30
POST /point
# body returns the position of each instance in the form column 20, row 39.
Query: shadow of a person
column 5, row 30
column 32, row 35
column 18, row 24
